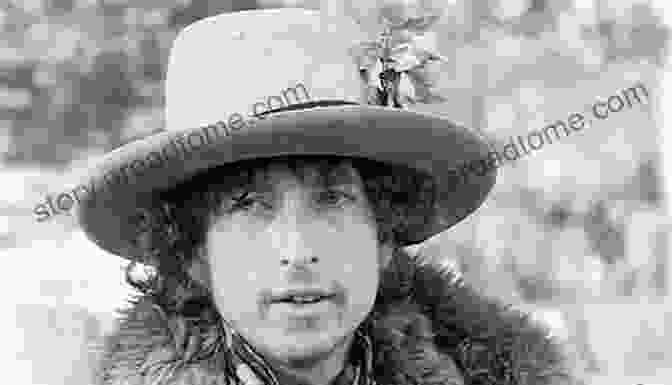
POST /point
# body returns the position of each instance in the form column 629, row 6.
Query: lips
column 304, row 296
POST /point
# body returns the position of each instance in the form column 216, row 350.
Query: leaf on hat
column 404, row 43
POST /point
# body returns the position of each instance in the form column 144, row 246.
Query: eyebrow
column 322, row 174
column 328, row 174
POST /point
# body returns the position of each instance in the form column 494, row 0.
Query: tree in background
column 78, row 71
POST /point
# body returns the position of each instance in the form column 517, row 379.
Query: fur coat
column 428, row 327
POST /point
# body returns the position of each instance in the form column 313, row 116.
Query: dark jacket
column 425, row 322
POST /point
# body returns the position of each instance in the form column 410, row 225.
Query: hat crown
column 252, row 61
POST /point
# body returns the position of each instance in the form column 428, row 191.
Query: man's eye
column 248, row 202
column 333, row 198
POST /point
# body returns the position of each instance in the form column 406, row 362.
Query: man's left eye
column 333, row 197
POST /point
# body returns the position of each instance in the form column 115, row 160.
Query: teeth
column 302, row 299
column 305, row 298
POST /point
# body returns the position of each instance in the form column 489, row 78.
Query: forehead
column 310, row 172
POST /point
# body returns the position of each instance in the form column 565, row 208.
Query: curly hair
column 172, row 231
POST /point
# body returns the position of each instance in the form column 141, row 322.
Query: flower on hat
column 399, row 65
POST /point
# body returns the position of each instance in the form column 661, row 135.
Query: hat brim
column 126, row 177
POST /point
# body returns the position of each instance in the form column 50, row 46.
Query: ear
column 385, row 252
column 199, row 270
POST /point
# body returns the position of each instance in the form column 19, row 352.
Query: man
column 276, row 244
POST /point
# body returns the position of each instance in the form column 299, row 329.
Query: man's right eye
column 249, row 201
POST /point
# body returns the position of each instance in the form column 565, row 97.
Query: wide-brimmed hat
column 268, row 83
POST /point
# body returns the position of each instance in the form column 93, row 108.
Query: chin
column 303, row 347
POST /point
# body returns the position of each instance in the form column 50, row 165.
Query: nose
column 299, row 260
column 290, row 233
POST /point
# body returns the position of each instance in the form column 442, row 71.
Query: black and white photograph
column 336, row 192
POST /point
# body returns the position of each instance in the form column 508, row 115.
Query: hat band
column 306, row 105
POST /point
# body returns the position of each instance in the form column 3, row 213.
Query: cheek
column 239, row 269
column 351, row 257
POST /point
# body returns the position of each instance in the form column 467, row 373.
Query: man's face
column 302, row 231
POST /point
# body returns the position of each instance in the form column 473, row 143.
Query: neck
column 313, row 371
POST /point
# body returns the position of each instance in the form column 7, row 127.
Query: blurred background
column 576, row 233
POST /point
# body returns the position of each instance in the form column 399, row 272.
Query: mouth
column 302, row 297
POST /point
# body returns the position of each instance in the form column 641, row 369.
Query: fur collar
column 427, row 327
